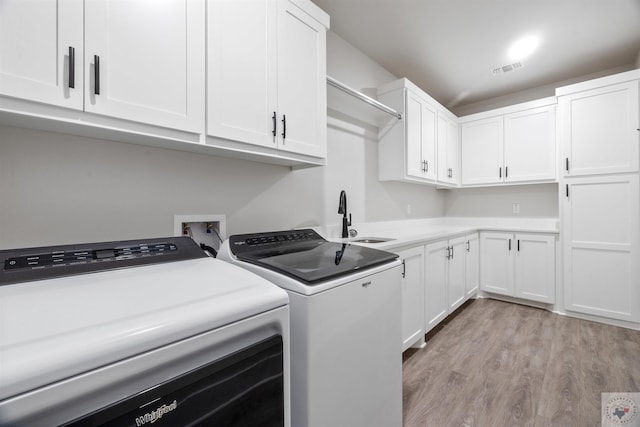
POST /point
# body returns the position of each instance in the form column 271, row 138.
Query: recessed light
column 523, row 48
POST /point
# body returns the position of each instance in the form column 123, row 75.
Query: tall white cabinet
column 266, row 74
column 600, row 196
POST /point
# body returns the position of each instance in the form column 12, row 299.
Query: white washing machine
column 139, row 333
column 346, row 338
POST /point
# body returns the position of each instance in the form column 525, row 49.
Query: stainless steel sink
column 372, row 240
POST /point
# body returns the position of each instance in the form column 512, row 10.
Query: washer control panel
column 23, row 265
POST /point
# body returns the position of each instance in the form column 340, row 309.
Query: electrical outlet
column 203, row 229
column 516, row 208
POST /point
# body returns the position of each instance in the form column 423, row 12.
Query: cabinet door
column 456, row 293
column 241, row 71
column 302, row 81
column 530, row 145
column 435, row 292
column 482, row 151
column 421, row 137
column 35, row 41
column 144, row 61
column 496, row 264
column 472, row 265
column 535, row 267
column 413, row 297
column 601, row 223
column 448, row 151
column 598, row 130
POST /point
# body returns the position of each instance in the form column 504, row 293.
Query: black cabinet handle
column 96, row 74
column 567, row 187
column 404, row 269
column 509, row 244
column 500, row 172
column 468, row 246
column 506, row 171
column 284, row 127
column 273, row 132
column 518, row 245
column 72, row 67
column 566, row 164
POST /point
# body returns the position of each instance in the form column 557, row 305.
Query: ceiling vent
column 506, row 68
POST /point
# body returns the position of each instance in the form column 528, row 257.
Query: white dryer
column 134, row 333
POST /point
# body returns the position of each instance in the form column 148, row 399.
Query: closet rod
column 361, row 96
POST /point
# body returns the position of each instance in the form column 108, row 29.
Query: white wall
column 535, row 200
column 57, row 189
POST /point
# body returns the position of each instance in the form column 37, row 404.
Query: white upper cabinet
column 448, row 150
column 482, row 151
column 266, row 74
column 41, row 51
column 139, row 61
column 407, row 148
column 510, row 145
column 599, row 127
column 530, row 145
column 302, row 79
column 145, row 61
column 424, row 146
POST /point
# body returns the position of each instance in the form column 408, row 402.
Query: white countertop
column 409, row 233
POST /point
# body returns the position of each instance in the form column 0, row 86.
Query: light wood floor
column 498, row 364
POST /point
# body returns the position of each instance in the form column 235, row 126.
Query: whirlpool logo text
column 153, row 416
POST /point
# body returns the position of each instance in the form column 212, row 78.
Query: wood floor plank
column 500, row 364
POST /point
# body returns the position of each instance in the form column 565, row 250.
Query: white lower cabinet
column 472, row 265
column 412, row 297
column 520, row 265
column 446, row 285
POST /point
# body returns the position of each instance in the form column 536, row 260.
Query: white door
column 456, row 292
column 535, row 267
column 496, row 263
column 472, row 264
column 414, row 128
column 302, row 85
column 530, row 145
column 41, row 51
column 241, row 71
column 453, row 151
column 145, row 61
column 448, row 150
column 601, row 223
column 412, row 297
column 482, row 151
column 435, row 292
column 428, row 140
column 599, row 130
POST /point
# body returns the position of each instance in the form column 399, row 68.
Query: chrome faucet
column 342, row 209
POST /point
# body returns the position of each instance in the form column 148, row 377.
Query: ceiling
column 450, row 47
